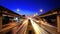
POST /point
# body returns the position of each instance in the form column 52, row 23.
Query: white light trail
column 23, row 27
column 37, row 28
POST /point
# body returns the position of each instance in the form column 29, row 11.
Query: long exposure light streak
column 37, row 28
column 22, row 28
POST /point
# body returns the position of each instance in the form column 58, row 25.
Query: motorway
column 31, row 26
column 37, row 28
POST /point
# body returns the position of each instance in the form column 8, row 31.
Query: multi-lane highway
column 38, row 28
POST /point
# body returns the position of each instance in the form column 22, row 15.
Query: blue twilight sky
column 30, row 7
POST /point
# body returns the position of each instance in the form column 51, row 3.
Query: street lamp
column 41, row 10
column 18, row 9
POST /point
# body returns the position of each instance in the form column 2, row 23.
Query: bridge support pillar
column 58, row 23
column 0, row 22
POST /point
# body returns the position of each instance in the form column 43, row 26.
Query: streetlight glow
column 41, row 10
column 18, row 9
